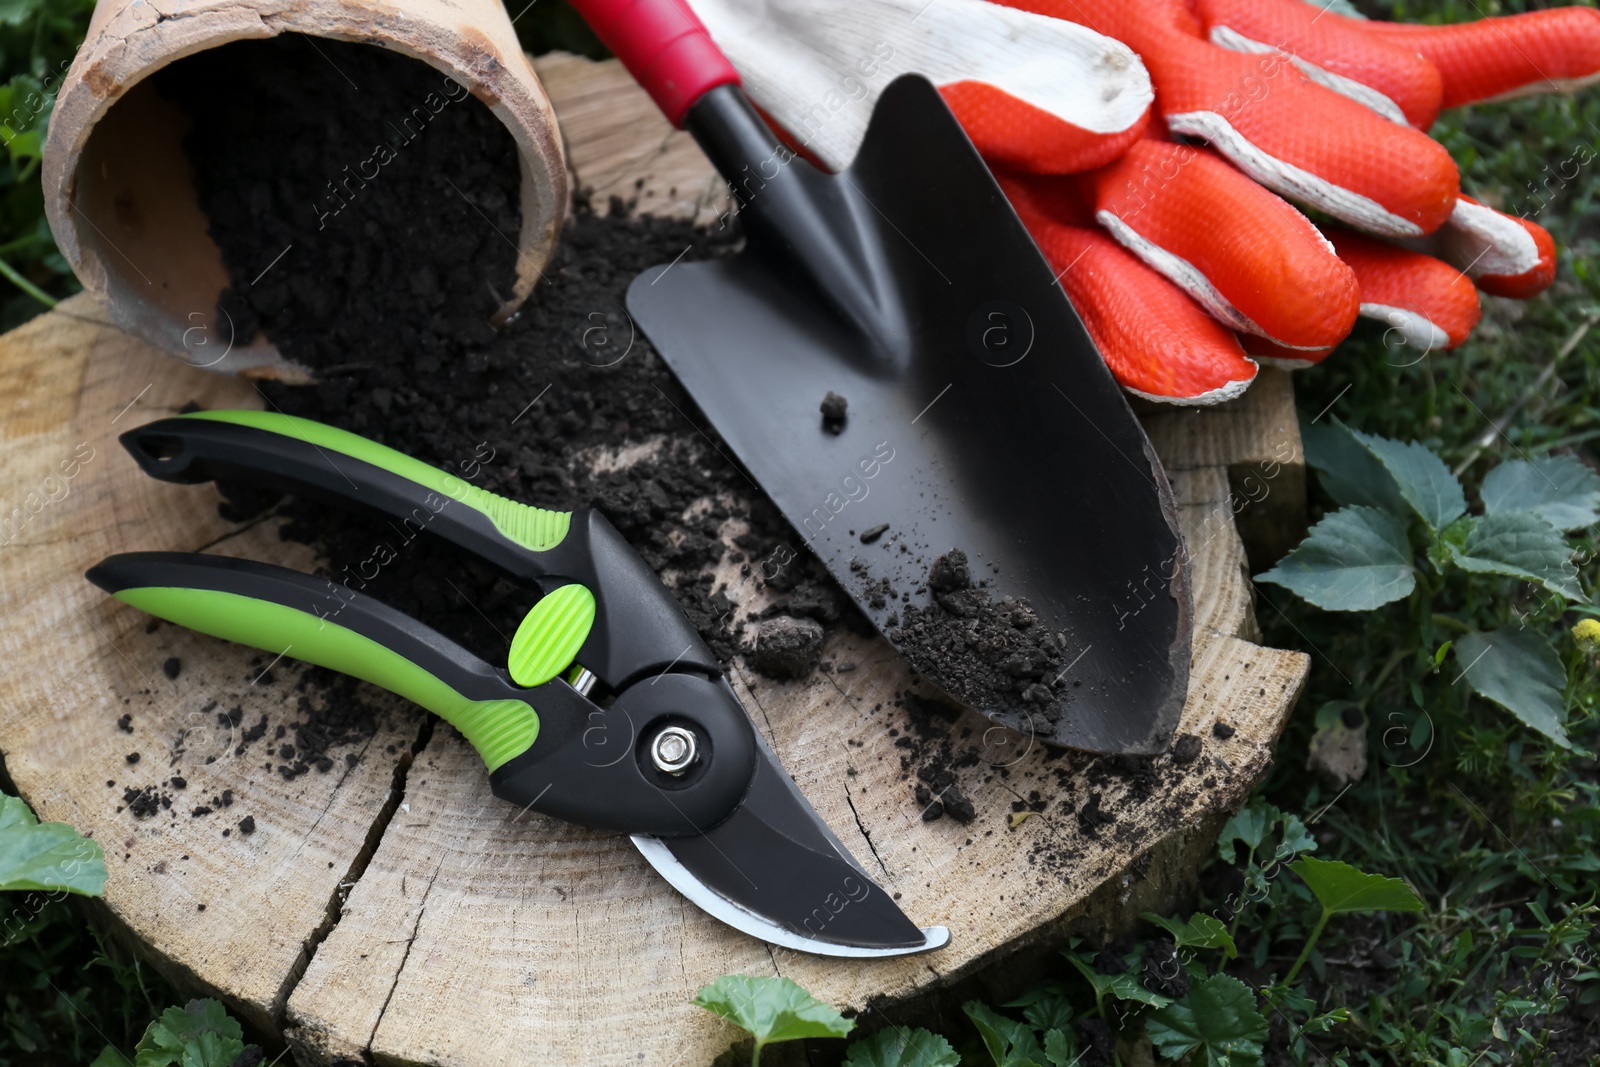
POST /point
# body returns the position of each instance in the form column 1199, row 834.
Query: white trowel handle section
column 817, row 66
column 664, row 47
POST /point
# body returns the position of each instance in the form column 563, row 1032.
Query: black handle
column 639, row 629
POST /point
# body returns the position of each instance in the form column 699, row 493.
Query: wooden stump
column 391, row 907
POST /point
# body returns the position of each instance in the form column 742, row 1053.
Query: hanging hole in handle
column 162, row 448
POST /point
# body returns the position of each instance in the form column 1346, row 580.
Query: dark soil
column 1163, row 972
column 1186, row 749
column 786, row 647
column 521, row 417
column 389, row 192
column 330, row 720
column 1094, row 1036
column 146, row 801
column 833, row 409
column 987, row 653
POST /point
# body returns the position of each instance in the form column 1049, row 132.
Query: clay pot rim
column 110, row 64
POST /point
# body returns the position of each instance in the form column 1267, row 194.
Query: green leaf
column 899, row 1047
column 200, row 1034
column 1355, row 559
column 1321, row 1024
column 17, row 12
column 46, row 856
column 1517, row 669
column 1201, row 931
column 110, row 1057
column 1010, row 1043
column 1249, row 826
column 1340, row 887
column 1559, row 489
column 1046, row 1007
column 1218, row 1017
column 1060, row 1049
column 1347, row 471
column 1519, row 544
column 1123, row 986
column 771, row 1009
column 1296, row 838
column 1422, row 478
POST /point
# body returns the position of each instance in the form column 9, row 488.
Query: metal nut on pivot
column 674, row 750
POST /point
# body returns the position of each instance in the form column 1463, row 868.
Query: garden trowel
column 976, row 481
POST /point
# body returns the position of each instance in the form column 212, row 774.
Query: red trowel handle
column 664, row 46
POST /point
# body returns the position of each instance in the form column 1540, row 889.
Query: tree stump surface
column 390, row 907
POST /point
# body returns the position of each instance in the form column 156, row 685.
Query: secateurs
column 672, row 759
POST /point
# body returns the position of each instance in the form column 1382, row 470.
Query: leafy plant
column 1404, row 519
column 1120, row 985
column 37, row 40
column 899, row 1047
column 199, row 1034
column 1008, row 1042
column 770, row 1010
column 1046, row 1007
column 1217, row 1019
column 1200, row 932
column 48, row 857
column 1340, row 888
column 1257, row 825
column 1518, row 670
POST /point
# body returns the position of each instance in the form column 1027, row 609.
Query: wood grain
column 392, row 908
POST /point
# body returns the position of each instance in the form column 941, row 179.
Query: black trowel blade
column 980, row 418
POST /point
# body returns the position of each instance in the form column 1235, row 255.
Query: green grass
column 37, row 40
column 66, row 993
column 1493, row 827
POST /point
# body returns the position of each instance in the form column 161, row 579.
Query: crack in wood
column 353, row 873
column 422, row 908
column 861, row 826
column 231, row 534
column 733, row 669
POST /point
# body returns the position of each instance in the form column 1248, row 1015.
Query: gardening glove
column 816, row 67
column 1407, row 73
column 1158, row 343
column 1326, row 141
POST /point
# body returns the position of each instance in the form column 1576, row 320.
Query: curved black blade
column 776, row 872
column 980, row 418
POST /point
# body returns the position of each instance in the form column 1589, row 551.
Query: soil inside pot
column 364, row 201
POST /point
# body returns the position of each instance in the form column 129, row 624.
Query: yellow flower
column 1587, row 634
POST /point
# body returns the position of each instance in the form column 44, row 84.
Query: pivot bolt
column 674, row 750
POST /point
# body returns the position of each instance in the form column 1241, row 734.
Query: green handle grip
column 284, row 612
column 536, row 529
column 299, row 455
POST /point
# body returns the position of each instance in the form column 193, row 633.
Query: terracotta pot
column 119, row 191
